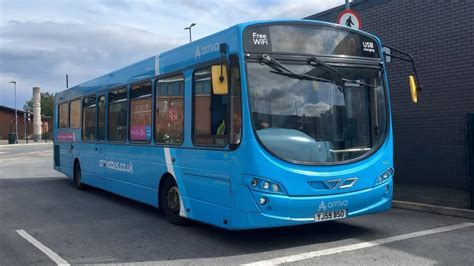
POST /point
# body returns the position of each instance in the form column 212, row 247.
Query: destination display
column 308, row 39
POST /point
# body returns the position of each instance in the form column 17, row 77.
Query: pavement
column 23, row 142
column 45, row 220
column 27, row 161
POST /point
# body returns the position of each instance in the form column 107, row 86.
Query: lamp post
column 27, row 123
column 16, row 115
column 189, row 29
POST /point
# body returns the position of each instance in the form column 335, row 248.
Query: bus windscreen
column 309, row 39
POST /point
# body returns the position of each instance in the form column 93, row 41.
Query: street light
column 16, row 115
column 189, row 28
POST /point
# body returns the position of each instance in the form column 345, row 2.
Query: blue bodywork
column 215, row 184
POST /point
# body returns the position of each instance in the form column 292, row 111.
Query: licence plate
column 332, row 215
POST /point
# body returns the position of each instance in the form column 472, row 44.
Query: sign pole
column 347, row 4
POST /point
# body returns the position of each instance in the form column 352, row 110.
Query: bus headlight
column 385, row 175
column 379, row 179
column 275, row 188
column 265, row 185
column 254, row 182
column 390, row 171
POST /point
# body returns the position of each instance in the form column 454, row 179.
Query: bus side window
column 140, row 113
column 117, row 117
column 63, row 119
column 75, row 114
column 88, row 118
column 235, row 101
column 169, row 114
column 210, row 119
column 101, row 118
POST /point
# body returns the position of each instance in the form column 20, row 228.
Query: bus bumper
column 282, row 210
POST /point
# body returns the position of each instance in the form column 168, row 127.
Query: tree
column 47, row 104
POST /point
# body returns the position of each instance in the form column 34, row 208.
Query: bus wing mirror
column 413, row 79
column 219, row 80
column 413, row 89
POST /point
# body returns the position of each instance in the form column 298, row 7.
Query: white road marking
column 378, row 242
column 55, row 257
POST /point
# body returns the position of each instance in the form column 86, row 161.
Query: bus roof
column 178, row 58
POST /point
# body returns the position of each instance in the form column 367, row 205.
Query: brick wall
column 430, row 137
column 7, row 121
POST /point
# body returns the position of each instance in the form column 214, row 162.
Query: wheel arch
column 165, row 176
column 76, row 162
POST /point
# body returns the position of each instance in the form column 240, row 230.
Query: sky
column 43, row 40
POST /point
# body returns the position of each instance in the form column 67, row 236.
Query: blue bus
column 264, row 124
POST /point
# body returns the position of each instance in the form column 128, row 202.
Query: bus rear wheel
column 77, row 177
column 171, row 202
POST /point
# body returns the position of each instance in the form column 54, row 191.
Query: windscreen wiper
column 314, row 62
column 281, row 69
column 349, row 150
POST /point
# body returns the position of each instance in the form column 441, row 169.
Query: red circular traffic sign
column 349, row 18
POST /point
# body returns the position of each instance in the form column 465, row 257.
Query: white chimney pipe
column 36, row 114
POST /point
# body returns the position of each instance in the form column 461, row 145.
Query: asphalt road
column 97, row 227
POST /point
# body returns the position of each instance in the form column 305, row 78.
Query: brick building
column 7, row 123
column 431, row 138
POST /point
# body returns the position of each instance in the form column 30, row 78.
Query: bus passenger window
column 101, row 118
column 140, row 112
column 117, row 118
column 88, row 118
column 63, row 119
column 75, row 114
column 169, row 114
column 235, row 101
column 210, row 112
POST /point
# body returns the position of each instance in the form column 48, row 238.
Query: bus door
column 66, row 146
column 70, row 134
column 100, row 140
column 90, row 147
column 206, row 172
column 65, row 137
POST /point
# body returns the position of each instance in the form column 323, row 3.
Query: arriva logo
column 197, row 54
column 203, row 50
column 332, row 204
column 322, row 206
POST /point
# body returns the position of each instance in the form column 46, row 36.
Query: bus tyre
column 77, row 177
column 170, row 202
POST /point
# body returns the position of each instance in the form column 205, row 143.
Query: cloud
column 292, row 9
column 41, row 42
column 315, row 110
column 40, row 54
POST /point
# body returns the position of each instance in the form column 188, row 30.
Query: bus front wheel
column 171, row 202
column 77, row 176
